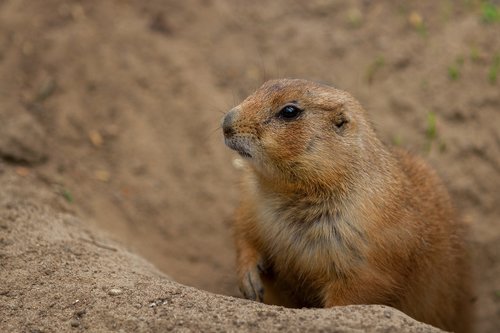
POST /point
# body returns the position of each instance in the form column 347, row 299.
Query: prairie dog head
column 297, row 130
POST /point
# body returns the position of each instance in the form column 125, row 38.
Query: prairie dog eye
column 289, row 112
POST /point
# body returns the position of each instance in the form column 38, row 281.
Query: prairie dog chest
column 306, row 238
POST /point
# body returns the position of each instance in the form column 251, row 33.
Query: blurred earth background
column 115, row 108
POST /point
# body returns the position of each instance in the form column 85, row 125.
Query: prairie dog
column 330, row 216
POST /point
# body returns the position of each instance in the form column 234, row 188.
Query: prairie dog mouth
column 240, row 145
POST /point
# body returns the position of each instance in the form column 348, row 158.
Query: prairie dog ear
column 340, row 120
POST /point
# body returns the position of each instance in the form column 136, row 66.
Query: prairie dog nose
column 227, row 123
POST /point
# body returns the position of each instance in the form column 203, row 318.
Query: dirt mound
column 113, row 109
column 58, row 274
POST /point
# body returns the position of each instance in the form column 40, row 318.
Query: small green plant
column 490, row 13
column 422, row 30
column 355, row 17
column 494, row 69
column 397, row 140
column 67, row 195
column 446, row 10
column 474, row 54
column 374, row 67
column 454, row 70
column 431, row 131
column 417, row 22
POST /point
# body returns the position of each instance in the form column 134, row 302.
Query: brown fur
column 330, row 216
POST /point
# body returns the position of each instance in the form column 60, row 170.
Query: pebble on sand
column 115, row 292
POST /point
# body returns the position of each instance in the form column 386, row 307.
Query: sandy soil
column 114, row 107
column 59, row 274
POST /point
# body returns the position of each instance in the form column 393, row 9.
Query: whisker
column 212, row 132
